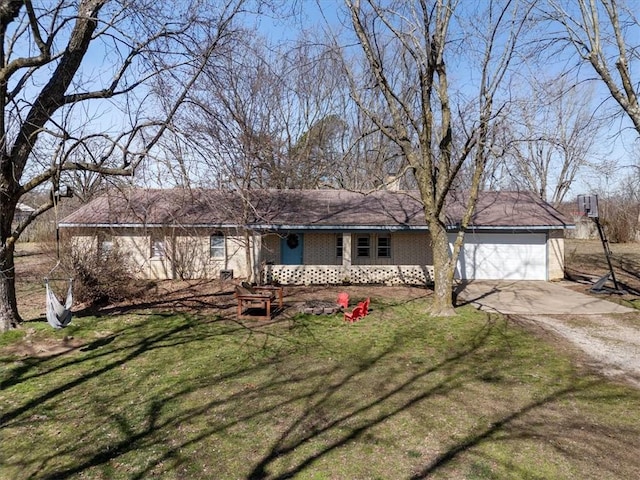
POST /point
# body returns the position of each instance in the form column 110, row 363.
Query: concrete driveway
column 533, row 298
column 611, row 342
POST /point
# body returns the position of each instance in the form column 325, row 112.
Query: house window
column 105, row 245
column 363, row 246
column 216, row 245
column 157, row 247
column 339, row 245
column 384, row 247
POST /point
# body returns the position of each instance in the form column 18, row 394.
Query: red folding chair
column 365, row 307
column 343, row 300
column 355, row 315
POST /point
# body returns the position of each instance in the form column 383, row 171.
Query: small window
column 384, row 247
column 363, row 246
column 339, row 250
column 105, row 245
column 157, row 247
column 216, row 245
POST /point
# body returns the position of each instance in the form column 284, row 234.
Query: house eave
column 294, row 227
column 146, row 225
column 351, row 228
column 510, row 228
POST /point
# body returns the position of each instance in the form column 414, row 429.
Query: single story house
column 317, row 236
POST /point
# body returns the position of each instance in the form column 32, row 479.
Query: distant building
column 22, row 212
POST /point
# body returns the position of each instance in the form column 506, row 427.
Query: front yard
column 188, row 393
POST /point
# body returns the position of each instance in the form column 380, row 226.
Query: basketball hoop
column 588, row 206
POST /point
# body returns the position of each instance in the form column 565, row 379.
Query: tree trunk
column 247, row 255
column 442, row 305
column 9, row 317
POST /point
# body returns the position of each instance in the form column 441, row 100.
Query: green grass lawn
column 399, row 395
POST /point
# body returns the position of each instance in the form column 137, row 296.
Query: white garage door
column 503, row 256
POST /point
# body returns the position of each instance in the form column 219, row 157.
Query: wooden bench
column 261, row 297
column 273, row 290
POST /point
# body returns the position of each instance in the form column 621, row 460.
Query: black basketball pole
column 588, row 205
column 607, row 251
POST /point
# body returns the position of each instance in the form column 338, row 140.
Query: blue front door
column 291, row 249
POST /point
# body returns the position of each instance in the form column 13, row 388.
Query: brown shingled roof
column 303, row 209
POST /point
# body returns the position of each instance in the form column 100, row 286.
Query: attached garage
column 503, row 256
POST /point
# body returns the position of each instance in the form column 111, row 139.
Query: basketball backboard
column 588, row 205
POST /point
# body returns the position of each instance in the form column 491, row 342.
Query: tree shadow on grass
column 287, row 442
column 320, row 408
column 130, row 352
column 455, row 372
column 185, row 299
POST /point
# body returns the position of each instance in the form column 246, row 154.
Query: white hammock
column 58, row 315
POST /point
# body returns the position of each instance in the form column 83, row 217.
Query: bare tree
column 58, row 101
column 405, row 90
column 549, row 140
column 264, row 118
column 604, row 35
column 270, row 119
column 370, row 160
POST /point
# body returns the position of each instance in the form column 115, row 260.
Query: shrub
column 622, row 223
column 103, row 279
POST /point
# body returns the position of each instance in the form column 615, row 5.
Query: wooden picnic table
column 258, row 297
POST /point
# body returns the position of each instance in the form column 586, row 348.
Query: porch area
column 353, row 274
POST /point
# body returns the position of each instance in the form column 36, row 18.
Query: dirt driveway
column 607, row 334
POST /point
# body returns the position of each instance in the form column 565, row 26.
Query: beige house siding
column 320, row 249
column 86, row 243
column 138, row 250
column 555, row 254
column 186, row 256
column 189, row 257
column 407, row 248
column 271, row 249
column 133, row 248
column 235, row 257
column 412, row 248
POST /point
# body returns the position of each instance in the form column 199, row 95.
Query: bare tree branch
column 403, row 46
column 65, row 113
column 600, row 40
